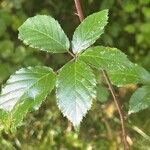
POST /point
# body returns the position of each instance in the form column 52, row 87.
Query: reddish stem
column 121, row 114
column 116, row 101
column 79, row 10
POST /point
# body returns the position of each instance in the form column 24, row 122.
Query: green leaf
column 130, row 74
column 5, row 70
column 120, row 70
column 75, row 90
column 26, row 89
column 44, row 32
column 140, row 99
column 89, row 31
column 3, row 119
column 102, row 93
column 104, row 57
column 144, row 75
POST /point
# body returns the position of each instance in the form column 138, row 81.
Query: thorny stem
column 122, row 120
column 79, row 10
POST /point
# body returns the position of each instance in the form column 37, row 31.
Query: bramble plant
column 75, row 82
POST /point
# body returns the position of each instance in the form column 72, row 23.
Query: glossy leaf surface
column 120, row 70
column 44, row 33
column 75, row 90
column 140, row 99
column 89, row 31
column 26, row 89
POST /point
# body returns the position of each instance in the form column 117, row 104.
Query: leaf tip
column 130, row 112
column 106, row 10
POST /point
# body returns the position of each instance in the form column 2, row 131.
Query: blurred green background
column 128, row 30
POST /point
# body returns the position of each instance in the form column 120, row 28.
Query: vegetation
column 79, row 80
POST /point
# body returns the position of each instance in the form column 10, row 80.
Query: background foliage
column 128, row 30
